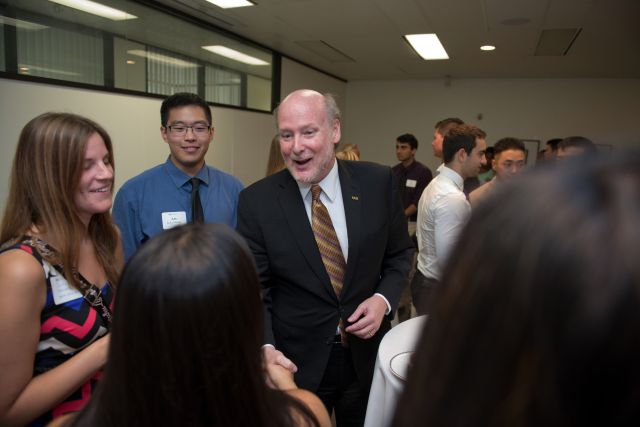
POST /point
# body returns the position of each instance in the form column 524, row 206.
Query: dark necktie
column 197, row 214
column 329, row 246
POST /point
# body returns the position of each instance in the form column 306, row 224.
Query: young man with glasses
column 183, row 189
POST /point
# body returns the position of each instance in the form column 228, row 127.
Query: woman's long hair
column 45, row 176
column 538, row 321
column 186, row 339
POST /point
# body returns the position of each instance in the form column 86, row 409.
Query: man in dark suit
column 326, row 312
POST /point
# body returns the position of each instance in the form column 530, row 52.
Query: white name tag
column 411, row 183
column 173, row 219
column 62, row 291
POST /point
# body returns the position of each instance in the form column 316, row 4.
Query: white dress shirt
column 443, row 211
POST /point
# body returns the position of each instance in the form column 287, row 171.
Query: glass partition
column 135, row 48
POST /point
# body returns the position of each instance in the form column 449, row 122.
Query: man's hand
column 370, row 314
column 271, row 356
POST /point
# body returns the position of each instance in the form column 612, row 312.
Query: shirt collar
column 330, row 184
column 180, row 178
column 453, row 176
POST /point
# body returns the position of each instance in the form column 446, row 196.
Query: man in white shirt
column 443, row 209
column 508, row 161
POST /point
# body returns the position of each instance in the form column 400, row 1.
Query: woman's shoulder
column 314, row 404
column 20, row 264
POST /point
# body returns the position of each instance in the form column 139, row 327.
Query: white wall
column 297, row 76
column 604, row 110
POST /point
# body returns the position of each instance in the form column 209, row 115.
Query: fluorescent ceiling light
column 487, row 47
column 23, row 25
column 235, row 55
column 26, row 68
column 428, row 46
column 228, row 4
column 96, row 9
column 165, row 59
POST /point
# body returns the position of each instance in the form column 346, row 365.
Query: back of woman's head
column 538, row 320
column 187, row 333
column 46, row 172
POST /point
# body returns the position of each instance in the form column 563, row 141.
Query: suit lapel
column 353, row 213
column 295, row 213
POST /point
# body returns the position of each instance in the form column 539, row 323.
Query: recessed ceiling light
column 130, row 61
column 428, row 46
column 487, row 47
column 235, row 55
column 228, row 4
column 96, row 9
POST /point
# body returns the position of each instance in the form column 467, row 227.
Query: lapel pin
column 354, row 198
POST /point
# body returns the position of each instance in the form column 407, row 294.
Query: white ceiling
column 369, row 32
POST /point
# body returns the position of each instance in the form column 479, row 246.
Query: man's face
column 404, row 151
column 508, row 163
column 549, row 154
column 189, row 146
column 474, row 160
column 437, row 143
column 307, row 139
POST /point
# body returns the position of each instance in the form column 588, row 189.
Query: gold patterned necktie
column 329, row 246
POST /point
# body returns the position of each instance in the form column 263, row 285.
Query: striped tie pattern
column 329, row 246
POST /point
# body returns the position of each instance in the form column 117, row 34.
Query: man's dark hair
column 553, row 143
column 443, row 126
column 508, row 144
column 183, row 99
column 410, row 139
column 580, row 142
column 461, row 136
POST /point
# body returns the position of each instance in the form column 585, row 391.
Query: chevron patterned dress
column 65, row 329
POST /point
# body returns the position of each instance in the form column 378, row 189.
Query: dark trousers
column 340, row 391
column 422, row 291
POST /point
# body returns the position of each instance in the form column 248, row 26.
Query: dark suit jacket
column 301, row 309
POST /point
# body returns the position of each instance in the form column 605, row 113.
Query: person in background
column 186, row 342
column 443, row 209
column 509, row 160
column 575, row 146
column 275, row 163
column 348, row 152
column 551, row 337
column 487, row 172
column 551, row 149
column 182, row 189
column 59, row 261
column 411, row 177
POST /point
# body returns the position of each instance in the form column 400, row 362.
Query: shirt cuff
column 268, row 345
column 386, row 301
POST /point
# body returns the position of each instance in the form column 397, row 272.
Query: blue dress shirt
column 139, row 205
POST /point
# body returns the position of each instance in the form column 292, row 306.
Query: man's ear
column 335, row 132
column 461, row 155
column 163, row 133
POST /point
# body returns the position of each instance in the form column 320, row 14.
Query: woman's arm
column 22, row 297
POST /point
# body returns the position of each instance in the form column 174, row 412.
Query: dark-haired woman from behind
column 59, row 258
column 538, row 321
column 186, row 342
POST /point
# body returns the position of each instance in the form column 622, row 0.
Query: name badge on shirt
column 173, row 219
column 411, row 183
column 62, row 290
